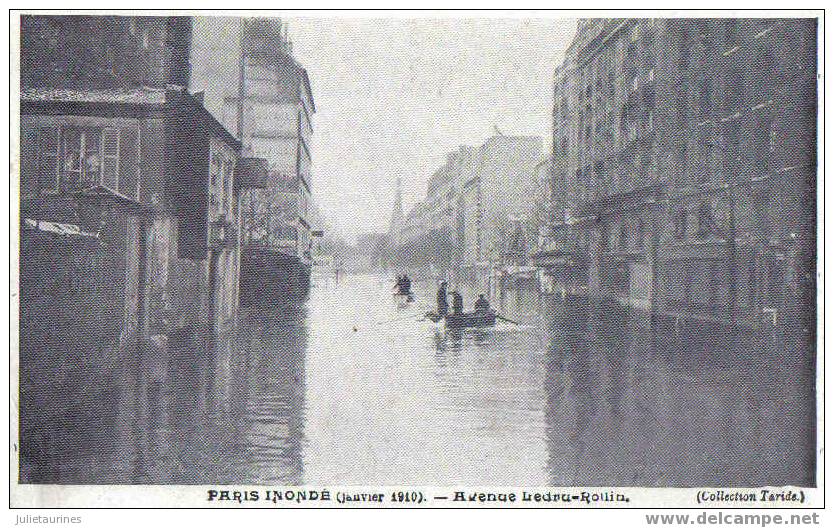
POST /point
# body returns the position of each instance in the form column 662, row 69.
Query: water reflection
column 245, row 421
column 355, row 388
column 629, row 406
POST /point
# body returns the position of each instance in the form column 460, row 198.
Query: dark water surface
column 351, row 388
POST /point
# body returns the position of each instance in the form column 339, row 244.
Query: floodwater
column 354, row 387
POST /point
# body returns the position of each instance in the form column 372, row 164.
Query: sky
column 394, row 96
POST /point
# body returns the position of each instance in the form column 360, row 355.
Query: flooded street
column 354, row 388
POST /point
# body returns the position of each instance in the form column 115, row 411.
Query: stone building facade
column 463, row 226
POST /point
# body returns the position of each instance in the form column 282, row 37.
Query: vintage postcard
column 443, row 259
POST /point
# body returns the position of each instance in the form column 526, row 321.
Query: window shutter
column 49, row 147
column 110, row 158
column 129, row 162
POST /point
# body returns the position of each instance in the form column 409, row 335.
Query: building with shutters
column 129, row 209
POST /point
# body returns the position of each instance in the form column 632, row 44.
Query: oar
column 431, row 316
column 499, row 316
column 396, row 319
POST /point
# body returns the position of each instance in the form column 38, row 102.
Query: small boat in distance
column 402, row 288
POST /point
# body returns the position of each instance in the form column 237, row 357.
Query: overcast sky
column 393, row 96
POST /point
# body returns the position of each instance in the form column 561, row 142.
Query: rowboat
column 465, row 320
column 470, row 320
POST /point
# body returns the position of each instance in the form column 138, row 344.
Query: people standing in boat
column 442, row 301
column 457, row 303
column 482, row 306
column 403, row 284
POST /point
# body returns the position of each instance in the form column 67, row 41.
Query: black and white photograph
column 449, row 258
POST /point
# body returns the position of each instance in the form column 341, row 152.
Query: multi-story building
column 496, row 198
column 129, row 195
column 255, row 86
column 463, row 226
column 688, row 171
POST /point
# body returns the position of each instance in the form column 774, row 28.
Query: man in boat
column 457, row 303
column 442, row 302
column 400, row 284
column 482, row 306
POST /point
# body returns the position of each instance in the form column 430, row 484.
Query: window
column 216, row 179
column 110, row 158
column 705, row 100
column 730, row 32
column 682, row 112
column 683, row 47
column 82, row 159
column 765, row 72
column 707, row 42
column 762, row 144
column 640, row 233
column 761, row 212
column 734, row 90
column 706, row 221
column 705, row 150
column 679, row 224
column 623, row 236
column 645, row 162
column 731, row 146
column 228, row 180
column 631, row 129
column 49, row 147
column 110, row 60
column 683, row 160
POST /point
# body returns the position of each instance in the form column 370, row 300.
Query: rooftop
column 129, row 96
